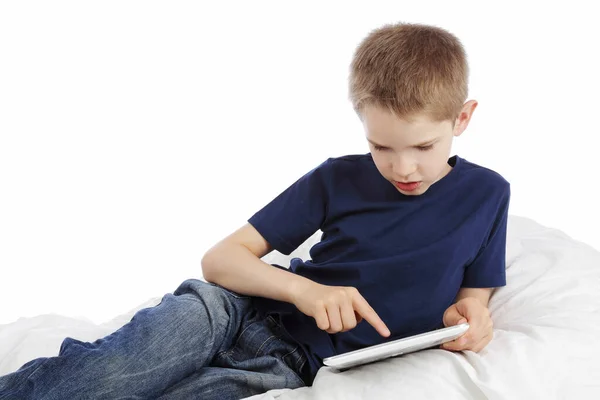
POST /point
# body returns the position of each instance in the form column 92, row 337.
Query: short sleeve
column 488, row 269
column 297, row 213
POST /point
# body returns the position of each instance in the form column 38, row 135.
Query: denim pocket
column 295, row 358
column 260, row 339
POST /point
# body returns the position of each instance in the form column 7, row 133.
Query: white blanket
column 545, row 346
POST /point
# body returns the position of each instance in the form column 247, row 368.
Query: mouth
column 407, row 186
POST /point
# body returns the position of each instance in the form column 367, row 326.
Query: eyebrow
column 422, row 144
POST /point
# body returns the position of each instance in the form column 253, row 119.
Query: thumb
column 453, row 317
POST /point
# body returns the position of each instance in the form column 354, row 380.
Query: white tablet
column 396, row 347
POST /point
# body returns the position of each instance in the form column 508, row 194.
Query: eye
column 425, row 148
column 379, row 148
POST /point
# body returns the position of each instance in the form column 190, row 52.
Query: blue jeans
column 201, row 342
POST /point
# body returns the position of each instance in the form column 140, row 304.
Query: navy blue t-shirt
column 407, row 255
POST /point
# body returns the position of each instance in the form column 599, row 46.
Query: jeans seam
column 295, row 363
column 297, row 372
column 303, row 364
column 222, row 353
column 270, row 318
column 287, row 354
column 228, row 354
column 291, row 368
column 284, row 337
column 261, row 346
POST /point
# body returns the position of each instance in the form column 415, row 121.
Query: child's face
column 411, row 152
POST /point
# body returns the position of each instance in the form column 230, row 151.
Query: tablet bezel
column 396, row 347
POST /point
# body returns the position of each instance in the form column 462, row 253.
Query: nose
column 404, row 168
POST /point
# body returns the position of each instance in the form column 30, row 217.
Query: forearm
column 236, row 268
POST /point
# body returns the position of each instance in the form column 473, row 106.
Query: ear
column 462, row 121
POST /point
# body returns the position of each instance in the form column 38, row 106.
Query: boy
column 412, row 240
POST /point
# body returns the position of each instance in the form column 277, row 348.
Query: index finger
column 368, row 313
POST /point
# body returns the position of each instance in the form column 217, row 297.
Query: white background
column 134, row 135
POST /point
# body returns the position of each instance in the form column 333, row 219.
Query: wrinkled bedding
column 545, row 346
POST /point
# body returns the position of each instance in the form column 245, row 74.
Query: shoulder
column 347, row 163
column 355, row 168
column 487, row 189
column 484, row 178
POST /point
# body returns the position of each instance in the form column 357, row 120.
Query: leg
column 259, row 360
column 159, row 347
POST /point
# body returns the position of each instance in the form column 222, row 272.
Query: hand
column 336, row 308
column 480, row 331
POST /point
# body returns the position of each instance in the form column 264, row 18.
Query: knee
column 200, row 301
column 212, row 295
column 208, row 302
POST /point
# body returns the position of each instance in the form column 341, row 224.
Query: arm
column 486, row 271
column 235, row 264
column 481, row 294
column 283, row 224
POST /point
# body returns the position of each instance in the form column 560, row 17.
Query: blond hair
column 410, row 69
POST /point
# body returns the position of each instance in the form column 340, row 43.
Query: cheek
column 383, row 164
column 433, row 165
